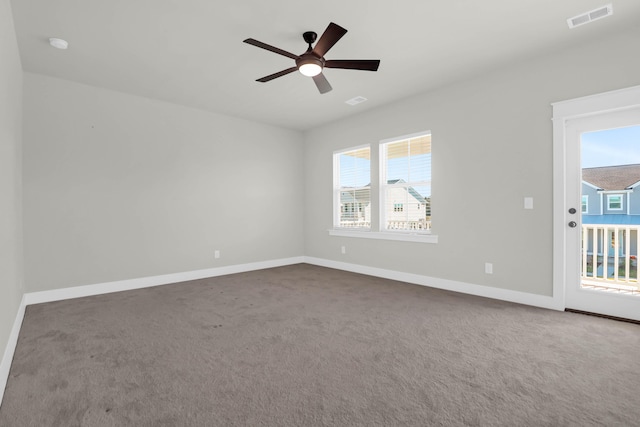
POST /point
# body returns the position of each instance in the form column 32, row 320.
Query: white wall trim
column 146, row 282
column 595, row 104
column 10, row 349
column 553, row 303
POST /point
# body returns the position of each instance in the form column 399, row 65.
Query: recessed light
column 356, row 100
column 58, row 43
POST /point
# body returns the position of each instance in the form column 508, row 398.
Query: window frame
column 337, row 206
column 584, row 204
column 371, row 233
column 609, row 197
column 384, row 185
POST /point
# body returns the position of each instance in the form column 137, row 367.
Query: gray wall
column 492, row 146
column 118, row 187
column 10, row 175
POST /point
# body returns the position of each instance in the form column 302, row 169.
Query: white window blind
column 352, row 188
column 405, row 187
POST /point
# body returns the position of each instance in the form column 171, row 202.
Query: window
column 585, row 204
column 401, row 204
column 614, row 201
column 405, row 183
column 352, row 188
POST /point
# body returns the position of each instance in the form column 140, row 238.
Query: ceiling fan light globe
column 310, row 70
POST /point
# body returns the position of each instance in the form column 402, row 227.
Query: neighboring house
column 403, row 205
column 611, row 196
column 355, row 206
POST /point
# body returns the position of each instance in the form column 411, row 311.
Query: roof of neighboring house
column 611, row 219
column 411, row 190
column 364, row 196
column 352, row 196
column 612, row 177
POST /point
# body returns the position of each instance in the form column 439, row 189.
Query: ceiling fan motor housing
column 309, row 57
column 309, row 37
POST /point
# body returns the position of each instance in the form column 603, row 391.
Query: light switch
column 488, row 268
column 528, row 202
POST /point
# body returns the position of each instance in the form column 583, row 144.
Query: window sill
column 381, row 235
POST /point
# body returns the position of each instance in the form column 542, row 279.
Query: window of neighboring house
column 585, row 204
column 614, row 201
column 405, row 183
column 352, row 188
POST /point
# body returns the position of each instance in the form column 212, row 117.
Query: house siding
column 593, row 202
column 412, row 209
column 634, row 202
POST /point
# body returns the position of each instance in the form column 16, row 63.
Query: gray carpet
column 310, row 346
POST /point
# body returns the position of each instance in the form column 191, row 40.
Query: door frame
column 564, row 111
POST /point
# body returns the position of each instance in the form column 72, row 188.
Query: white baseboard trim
column 146, row 282
column 535, row 300
column 10, row 349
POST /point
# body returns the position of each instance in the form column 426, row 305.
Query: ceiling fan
column 312, row 61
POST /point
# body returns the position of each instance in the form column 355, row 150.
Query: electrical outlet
column 343, row 250
column 488, row 268
column 216, row 254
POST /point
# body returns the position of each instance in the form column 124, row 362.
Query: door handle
column 572, row 211
column 573, row 224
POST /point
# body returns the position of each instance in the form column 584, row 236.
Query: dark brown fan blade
column 354, row 64
column 271, row 48
column 322, row 83
column 331, row 35
column 278, row 74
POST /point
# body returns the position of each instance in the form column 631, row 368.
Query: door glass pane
column 610, row 161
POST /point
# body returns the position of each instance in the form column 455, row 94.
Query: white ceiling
column 190, row 52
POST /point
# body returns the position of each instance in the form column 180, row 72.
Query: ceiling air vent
column 356, row 100
column 592, row 15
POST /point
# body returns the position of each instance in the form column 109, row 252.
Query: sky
column 611, row 147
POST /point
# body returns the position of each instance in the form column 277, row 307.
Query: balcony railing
column 409, row 225
column 355, row 224
column 610, row 256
